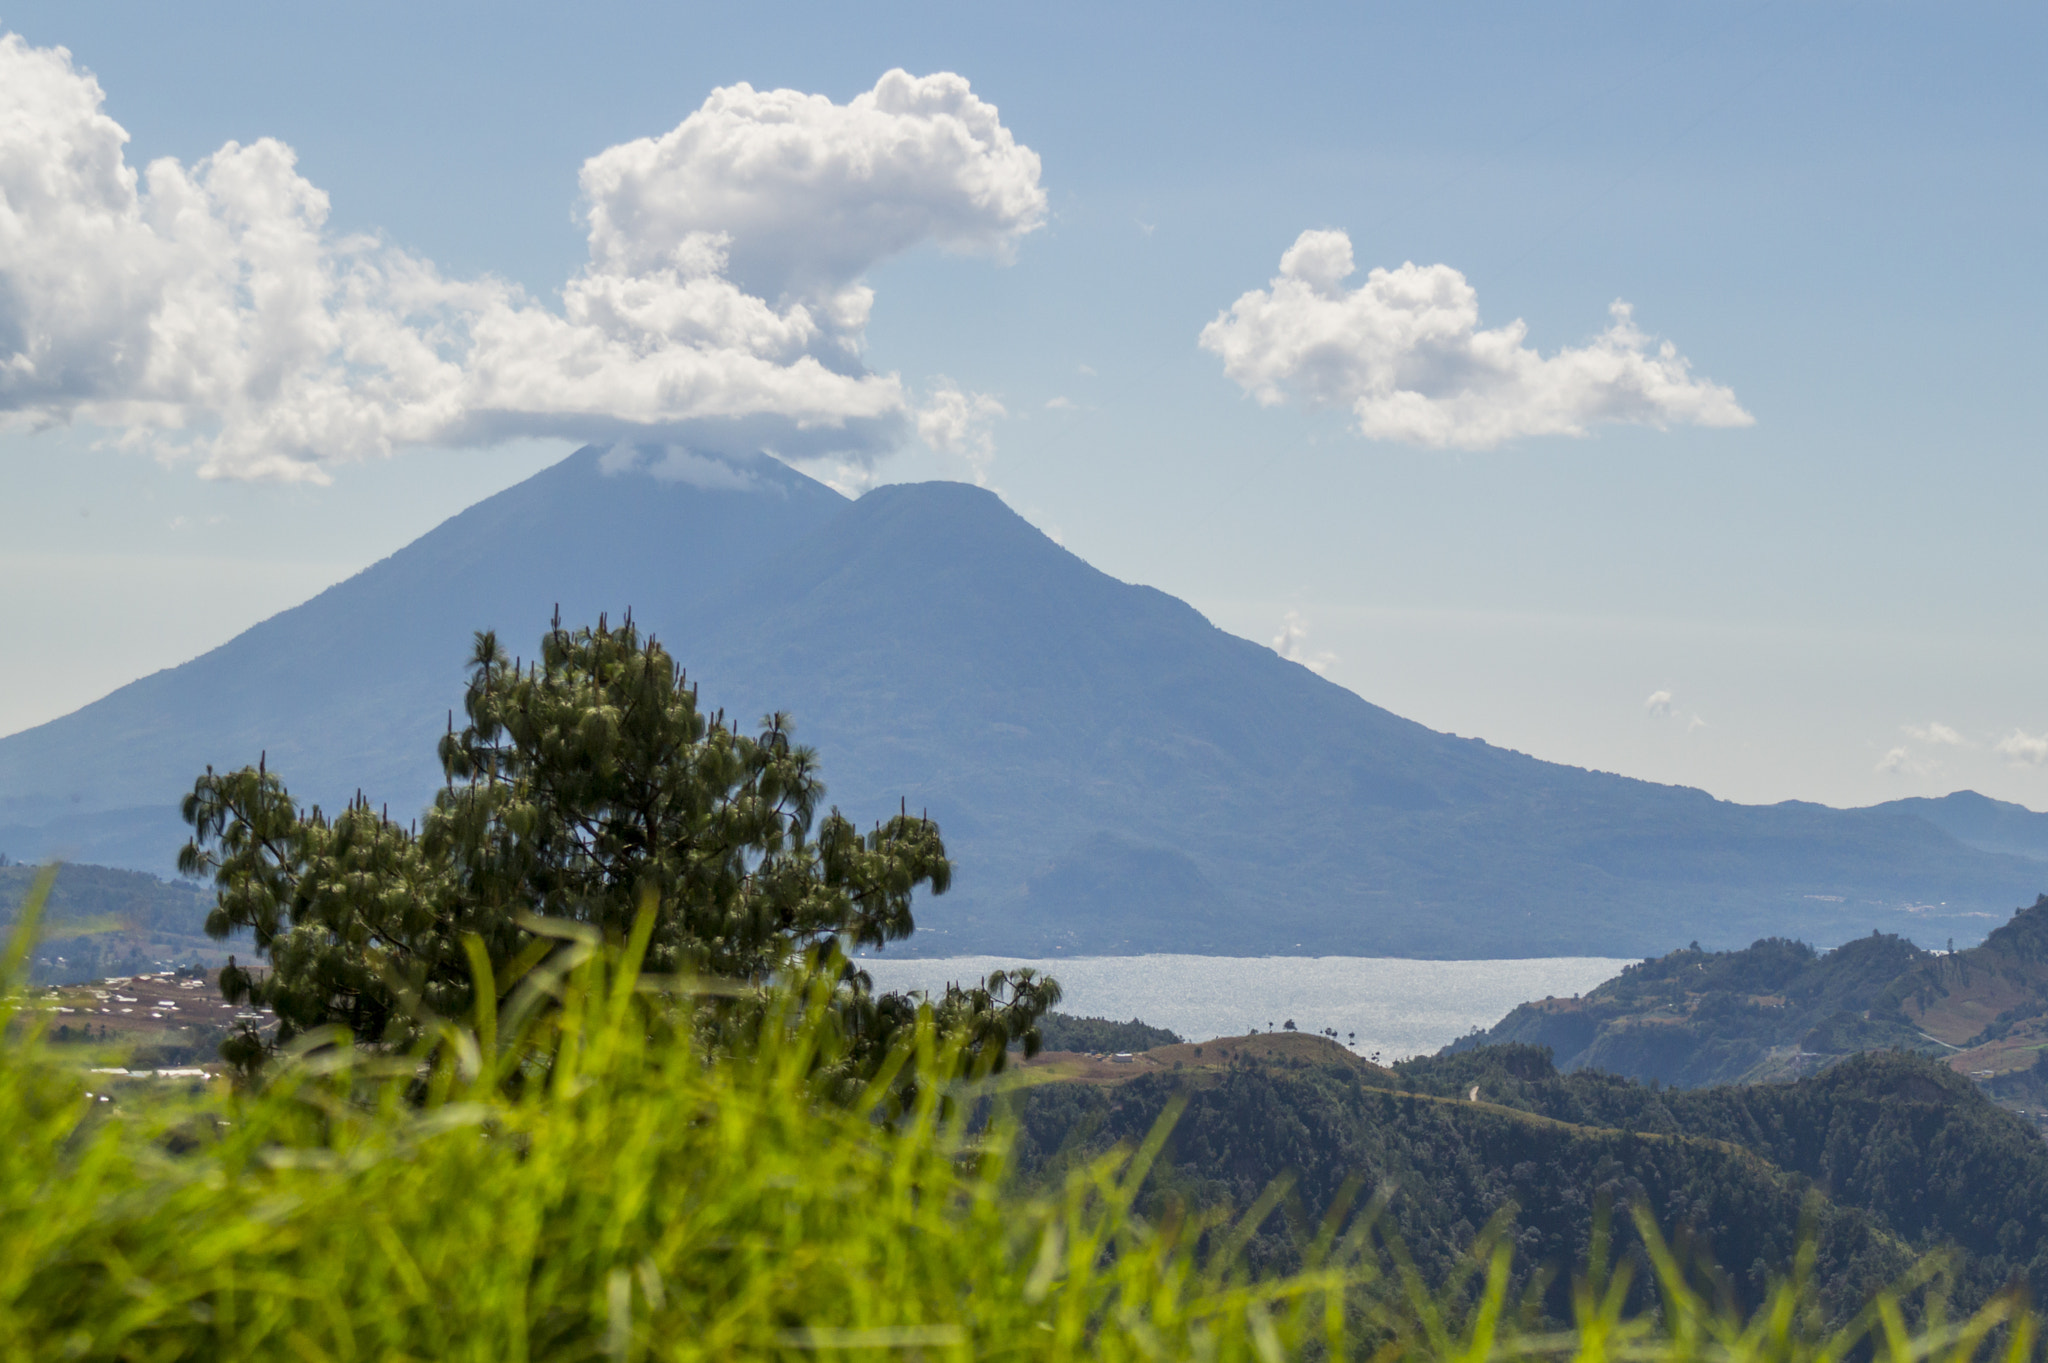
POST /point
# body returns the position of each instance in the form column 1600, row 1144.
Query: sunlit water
column 1394, row 1007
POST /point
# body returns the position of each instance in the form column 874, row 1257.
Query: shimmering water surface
column 1397, row 1008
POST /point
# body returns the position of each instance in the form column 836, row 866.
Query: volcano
column 1112, row 773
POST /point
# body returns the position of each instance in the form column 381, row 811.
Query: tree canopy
column 583, row 786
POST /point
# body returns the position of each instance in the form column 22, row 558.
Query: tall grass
column 583, row 1176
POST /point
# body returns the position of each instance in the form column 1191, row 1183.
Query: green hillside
column 101, row 921
column 678, row 1202
column 1882, row 1159
column 1066, row 1032
column 1773, row 1010
column 1902, row 1137
column 1779, row 1009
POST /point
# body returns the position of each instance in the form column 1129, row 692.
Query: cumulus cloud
column 207, row 310
column 1899, row 762
column 1291, row 643
column 1936, row 732
column 1405, row 355
column 802, row 195
column 2023, row 747
column 958, row 423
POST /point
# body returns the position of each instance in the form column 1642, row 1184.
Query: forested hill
column 1112, row 773
column 100, row 921
column 1991, row 1004
column 1066, row 1032
column 1779, row 1008
column 1901, row 1136
column 1773, row 1010
column 1906, row 1156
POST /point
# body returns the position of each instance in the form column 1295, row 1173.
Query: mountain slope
column 1112, row 772
column 1982, row 822
column 1778, row 1009
column 1252, row 1110
column 1991, row 1001
column 1120, row 775
column 1899, row 1136
column 351, row 689
column 1774, row 1010
column 99, row 921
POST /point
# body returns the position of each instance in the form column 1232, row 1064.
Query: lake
column 1395, row 1007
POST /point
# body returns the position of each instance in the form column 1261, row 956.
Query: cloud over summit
column 1404, row 353
column 208, row 311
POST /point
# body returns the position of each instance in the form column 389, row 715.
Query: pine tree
column 582, row 786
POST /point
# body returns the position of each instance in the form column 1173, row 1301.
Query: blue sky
column 1832, row 211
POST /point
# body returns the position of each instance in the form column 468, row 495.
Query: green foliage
column 101, row 921
column 1898, row 1136
column 645, row 1201
column 1096, row 1036
column 1447, row 1167
column 651, row 1199
column 1698, row 1017
column 581, row 786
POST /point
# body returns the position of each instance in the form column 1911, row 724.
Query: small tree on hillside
column 582, row 786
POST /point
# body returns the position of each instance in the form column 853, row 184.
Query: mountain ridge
column 1778, row 1010
column 1113, row 772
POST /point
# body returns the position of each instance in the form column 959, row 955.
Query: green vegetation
column 1875, row 1163
column 583, row 788
column 1771, row 1011
column 1448, row 1167
column 1099, row 1036
column 1778, row 1009
column 647, row 1197
column 102, row 922
column 578, row 1068
column 1897, row 1136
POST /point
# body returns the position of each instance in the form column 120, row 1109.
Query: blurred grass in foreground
column 579, row 1178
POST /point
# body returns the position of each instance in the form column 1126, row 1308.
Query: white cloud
column 2021, row 746
column 1059, row 404
column 1936, row 732
column 1404, row 353
column 957, row 423
column 809, row 194
column 1899, row 762
column 208, row 312
column 674, row 464
column 1291, row 643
